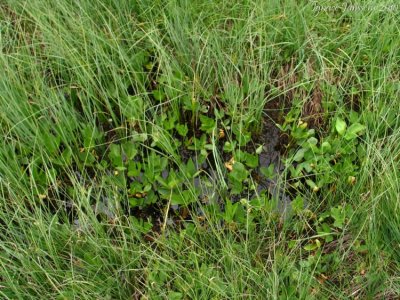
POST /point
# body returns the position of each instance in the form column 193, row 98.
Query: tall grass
column 69, row 65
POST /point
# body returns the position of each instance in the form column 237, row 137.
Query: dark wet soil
column 274, row 147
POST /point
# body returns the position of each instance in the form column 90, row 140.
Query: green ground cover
column 199, row 150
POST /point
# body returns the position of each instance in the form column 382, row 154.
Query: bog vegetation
column 199, row 150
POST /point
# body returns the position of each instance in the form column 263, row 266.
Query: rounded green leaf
column 340, row 126
column 353, row 131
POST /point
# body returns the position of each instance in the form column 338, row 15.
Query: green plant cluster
column 146, row 163
column 326, row 161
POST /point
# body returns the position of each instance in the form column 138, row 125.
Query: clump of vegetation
column 198, row 150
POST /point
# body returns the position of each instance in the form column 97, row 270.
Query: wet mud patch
column 274, row 148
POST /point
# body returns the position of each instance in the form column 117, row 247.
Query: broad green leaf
column 268, row 172
column 339, row 216
column 67, row 156
column 129, row 150
column 229, row 147
column 139, row 137
column 134, row 107
column 182, row 129
column 299, row 155
column 340, row 126
column 115, row 155
column 311, row 184
column 298, row 204
column 134, row 168
column 175, row 296
column 326, row 147
column 310, row 247
column 207, row 124
column 158, row 95
column 251, row 160
column 312, row 141
column 51, row 143
column 353, row 131
column 190, row 169
column 259, row 149
column 239, row 172
column 182, row 198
